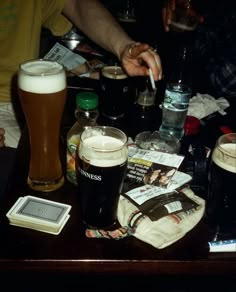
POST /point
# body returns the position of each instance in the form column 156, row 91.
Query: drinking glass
column 114, row 95
column 101, row 169
column 221, row 201
column 127, row 18
column 183, row 16
column 127, row 13
column 42, row 92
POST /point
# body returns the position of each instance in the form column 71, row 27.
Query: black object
column 196, row 165
column 7, row 159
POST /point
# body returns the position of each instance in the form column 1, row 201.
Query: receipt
column 64, row 56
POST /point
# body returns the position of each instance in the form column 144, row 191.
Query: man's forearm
column 98, row 24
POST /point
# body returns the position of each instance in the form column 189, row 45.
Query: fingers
column 137, row 48
column 155, row 64
column 141, row 58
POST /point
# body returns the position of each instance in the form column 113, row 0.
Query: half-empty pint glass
column 42, row 92
column 101, row 169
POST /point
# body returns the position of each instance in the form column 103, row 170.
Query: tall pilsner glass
column 42, row 91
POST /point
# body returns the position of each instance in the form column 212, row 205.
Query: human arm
column 93, row 19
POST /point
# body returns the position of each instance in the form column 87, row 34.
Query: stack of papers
column 39, row 214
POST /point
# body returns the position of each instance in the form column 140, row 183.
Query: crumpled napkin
column 202, row 105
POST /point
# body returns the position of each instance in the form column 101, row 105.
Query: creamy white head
column 103, row 151
column 225, row 156
column 114, row 72
column 41, row 76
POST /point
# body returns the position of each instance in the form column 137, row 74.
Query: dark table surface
column 72, row 256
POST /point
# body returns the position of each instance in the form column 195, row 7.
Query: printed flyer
column 153, row 182
column 152, row 167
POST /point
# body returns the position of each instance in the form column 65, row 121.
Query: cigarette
column 152, row 80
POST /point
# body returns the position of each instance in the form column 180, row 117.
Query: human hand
column 169, row 10
column 137, row 58
column 2, row 138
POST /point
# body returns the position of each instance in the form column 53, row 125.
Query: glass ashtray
column 157, row 141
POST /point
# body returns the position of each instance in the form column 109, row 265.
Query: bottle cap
column 86, row 100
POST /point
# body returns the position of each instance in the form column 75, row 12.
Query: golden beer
column 42, row 91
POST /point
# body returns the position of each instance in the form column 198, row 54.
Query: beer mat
column 116, row 234
column 40, row 214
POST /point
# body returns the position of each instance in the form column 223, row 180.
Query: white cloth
column 9, row 123
column 166, row 230
column 203, row 105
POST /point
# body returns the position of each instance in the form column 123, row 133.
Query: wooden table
column 74, row 259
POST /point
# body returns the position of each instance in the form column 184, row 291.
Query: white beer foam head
column 42, row 76
column 114, row 72
column 109, row 151
column 227, row 160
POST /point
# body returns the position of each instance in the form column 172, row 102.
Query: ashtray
column 157, row 141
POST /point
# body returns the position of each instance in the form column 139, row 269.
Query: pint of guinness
column 42, row 91
column 101, row 168
column 114, row 96
column 221, row 202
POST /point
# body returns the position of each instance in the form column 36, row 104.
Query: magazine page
column 151, row 174
column 152, row 167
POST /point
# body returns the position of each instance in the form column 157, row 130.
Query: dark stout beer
column 221, row 203
column 99, row 190
column 101, row 168
column 114, row 96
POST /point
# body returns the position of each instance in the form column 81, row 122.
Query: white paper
column 159, row 157
column 65, row 57
column 146, row 192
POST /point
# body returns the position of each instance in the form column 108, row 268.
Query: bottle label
column 177, row 100
column 174, row 109
column 72, row 145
